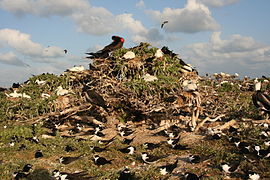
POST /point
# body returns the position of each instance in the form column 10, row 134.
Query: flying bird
column 261, row 99
column 162, row 25
column 65, row 51
column 104, row 53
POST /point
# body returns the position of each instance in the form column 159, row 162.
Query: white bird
column 76, row 69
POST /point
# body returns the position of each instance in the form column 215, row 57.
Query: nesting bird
column 104, row 53
column 261, row 99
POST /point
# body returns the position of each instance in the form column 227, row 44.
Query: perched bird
column 26, row 168
column 126, row 174
column 22, row 173
column 162, row 25
column 261, row 99
column 150, row 158
column 93, row 97
column 125, row 133
column 127, row 141
column 150, row 146
column 56, row 174
column 185, row 67
column 173, row 141
column 128, row 150
column 106, row 141
column 194, row 159
column 97, row 149
column 166, row 169
column 38, row 154
column 179, row 147
column 104, row 53
column 67, row 160
column 101, row 160
column 230, row 168
column 265, row 153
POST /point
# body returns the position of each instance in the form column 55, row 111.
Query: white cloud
column 43, row 7
column 140, row 4
column 22, row 43
column 238, row 53
column 194, row 17
column 218, row 3
column 11, row 59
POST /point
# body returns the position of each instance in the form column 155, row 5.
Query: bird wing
column 264, row 99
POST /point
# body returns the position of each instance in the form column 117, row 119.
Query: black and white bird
column 150, row 146
column 101, row 160
column 125, row 133
column 128, row 150
column 106, row 141
column 67, row 160
column 83, row 175
column 98, row 149
column 230, row 168
column 21, row 174
column 179, row 147
column 38, row 154
column 243, row 147
column 127, row 141
column 167, row 169
column 173, row 141
column 194, row 159
column 150, row 158
column 261, row 99
column 126, row 174
column 263, row 153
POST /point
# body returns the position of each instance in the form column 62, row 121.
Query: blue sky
column 213, row 35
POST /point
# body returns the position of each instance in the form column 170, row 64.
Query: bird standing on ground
column 261, row 99
column 104, row 53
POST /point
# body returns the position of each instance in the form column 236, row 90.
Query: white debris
column 40, row 82
column 129, row 55
column 236, row 74
column 149, row 78
column 189, row 85
column 76, row 69
column 186, row 68
column 16, row 95
column 61, row 92
column 44, row 95
column 159, row 53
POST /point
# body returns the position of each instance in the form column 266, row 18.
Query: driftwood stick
column 226, row 125
column 208, row 119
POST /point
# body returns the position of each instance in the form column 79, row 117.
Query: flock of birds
column 250, row 151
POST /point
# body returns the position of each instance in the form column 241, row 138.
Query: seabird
column 194, row 159
column 168, row 168
column 162, row 25
column 191, row 176
column 97, row 149
column 150, row 146
column 261, row 99
column 150, row 158
column 38, row 154
column 67, row 160
column 104, row 53
column 126, row 175
column 101, row 160
column 128, row 150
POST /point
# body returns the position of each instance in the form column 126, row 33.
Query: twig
column 208, row 119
